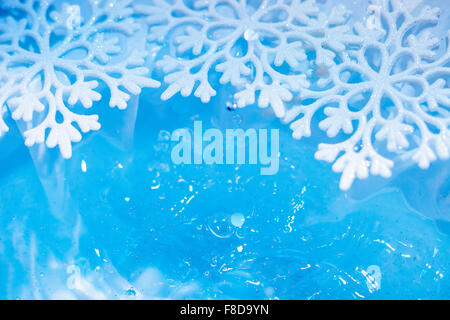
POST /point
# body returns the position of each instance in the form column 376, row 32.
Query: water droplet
column 83, row 166
column 250, row 35
column 237, row 220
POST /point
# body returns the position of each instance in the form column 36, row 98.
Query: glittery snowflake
column 388, row 98
column 261, row 47
column 53, row 55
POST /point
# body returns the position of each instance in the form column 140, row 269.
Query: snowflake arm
column 259, row 49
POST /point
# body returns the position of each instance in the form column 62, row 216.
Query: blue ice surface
column 136, row 226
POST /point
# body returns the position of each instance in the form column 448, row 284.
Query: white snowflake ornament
column 390, row 96
column 53, row 55
column 259, row 47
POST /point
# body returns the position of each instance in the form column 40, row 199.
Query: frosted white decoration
column 389, row 97
column 261, row 47
column 52, row 56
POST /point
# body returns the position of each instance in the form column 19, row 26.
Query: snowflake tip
column 89, row 123
column 24, row 107
column 245, row 97
column 83, row 91
column 424, row 156
column 301, row 128
column 204, row 92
